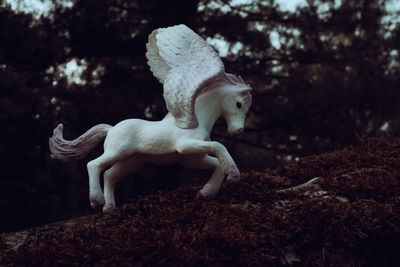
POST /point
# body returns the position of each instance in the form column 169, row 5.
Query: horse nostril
column 240, row 130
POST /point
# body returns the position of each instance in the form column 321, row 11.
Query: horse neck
column 208, row 108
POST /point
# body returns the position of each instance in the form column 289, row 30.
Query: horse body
column 133, row 142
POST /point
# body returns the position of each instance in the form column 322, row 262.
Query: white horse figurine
column 197, row 91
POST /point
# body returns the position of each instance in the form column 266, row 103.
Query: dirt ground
column 336, row 209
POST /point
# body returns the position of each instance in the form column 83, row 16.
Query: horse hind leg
column 95, row 167
column 115, row 173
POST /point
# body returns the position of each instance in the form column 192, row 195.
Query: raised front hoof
column 233, row 180
column 233, row 174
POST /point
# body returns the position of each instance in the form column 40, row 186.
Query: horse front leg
column 211, row 188
column 193, row 146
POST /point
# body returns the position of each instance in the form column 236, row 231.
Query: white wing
column 184, row 63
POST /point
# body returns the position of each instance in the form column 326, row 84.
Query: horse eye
column 239, row 105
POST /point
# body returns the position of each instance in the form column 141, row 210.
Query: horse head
column 235, row 103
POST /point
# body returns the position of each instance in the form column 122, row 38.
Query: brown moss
column 356, row 222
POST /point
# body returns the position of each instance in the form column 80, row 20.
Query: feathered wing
column 184, row 63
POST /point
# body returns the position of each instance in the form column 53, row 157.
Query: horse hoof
column 199, row 196
column 234, row 177
column 233, row 181
column 204, row 196
column 233, row 173
column 96, row 202
column 96, row 206
column 108, row 208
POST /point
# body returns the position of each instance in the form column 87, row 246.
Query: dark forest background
column 322, row 76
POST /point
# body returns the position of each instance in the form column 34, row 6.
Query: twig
column 311, row 183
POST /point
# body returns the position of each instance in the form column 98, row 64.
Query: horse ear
column 246, row 91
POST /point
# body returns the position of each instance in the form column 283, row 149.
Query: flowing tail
column 76, row 149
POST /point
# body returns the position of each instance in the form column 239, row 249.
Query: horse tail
column 76, row 149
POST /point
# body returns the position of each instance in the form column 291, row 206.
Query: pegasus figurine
column 197, row 91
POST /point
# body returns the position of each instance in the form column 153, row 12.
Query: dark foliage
column 355, row 223
column 334, row 75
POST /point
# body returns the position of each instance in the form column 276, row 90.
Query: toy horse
column 197, row 91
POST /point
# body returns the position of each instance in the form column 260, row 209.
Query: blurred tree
column 321, row 75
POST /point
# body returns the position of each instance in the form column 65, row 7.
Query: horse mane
column 228, row 81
